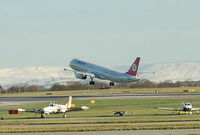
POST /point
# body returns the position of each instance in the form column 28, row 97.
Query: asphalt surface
column 20, row 100
column 102, row 96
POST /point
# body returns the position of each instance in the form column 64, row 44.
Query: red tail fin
column 134, row 67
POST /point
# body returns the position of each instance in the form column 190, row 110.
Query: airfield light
column 93, row 101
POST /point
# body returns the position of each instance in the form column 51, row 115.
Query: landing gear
column 179, row 112
column 112, row 83
column 43, row 116
column 92, row 82
column 65, row 115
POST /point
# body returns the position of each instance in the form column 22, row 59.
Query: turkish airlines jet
column 84, row 69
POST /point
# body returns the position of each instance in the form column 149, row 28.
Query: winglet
column 134, row 67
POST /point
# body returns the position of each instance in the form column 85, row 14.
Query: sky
column 105, row 32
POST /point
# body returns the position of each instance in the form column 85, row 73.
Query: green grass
column 139, row 111
column 112, row 120
column 104, row 108
column 96, row 128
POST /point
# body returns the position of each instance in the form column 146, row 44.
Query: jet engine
column 81, row 76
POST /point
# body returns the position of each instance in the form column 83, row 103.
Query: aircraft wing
column 195, row 109
column 85, row 73
column 80, row 72
column 31, row 111
column 170, row 109
column 82, row 108
column 20, row 110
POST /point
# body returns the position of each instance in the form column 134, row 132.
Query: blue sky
column 106, row 32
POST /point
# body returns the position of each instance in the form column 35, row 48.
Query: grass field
column 100, row 117
column 105, row 107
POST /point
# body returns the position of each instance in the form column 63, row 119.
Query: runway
column 102, row 96
column 20, row 100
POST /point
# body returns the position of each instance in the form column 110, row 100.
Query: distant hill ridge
column 181, row 71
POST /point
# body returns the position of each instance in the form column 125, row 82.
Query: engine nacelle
column 81, row 76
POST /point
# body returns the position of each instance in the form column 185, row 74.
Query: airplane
column 187, row 108
column 84, row 69
column 53, row 108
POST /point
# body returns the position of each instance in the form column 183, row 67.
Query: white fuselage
column 55, row 108
column 102, row 72
column 187, row 107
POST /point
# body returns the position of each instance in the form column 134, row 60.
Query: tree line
column 98, row 85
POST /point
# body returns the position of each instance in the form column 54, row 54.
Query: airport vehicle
column 1, row 118
column 84, row 69
column 187, row 108
column 119, row 113
column 53, row 108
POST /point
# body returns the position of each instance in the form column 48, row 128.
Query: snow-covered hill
column 43, row 76
column 47, row 76
column 185, row 71
column 181, row 71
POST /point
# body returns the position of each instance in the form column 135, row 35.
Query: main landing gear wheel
column 112, row 83
column 92, row 82
column 65, row 115
column 43, row 116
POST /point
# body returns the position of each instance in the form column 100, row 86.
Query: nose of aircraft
column 188, row 106
column 72, row 63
